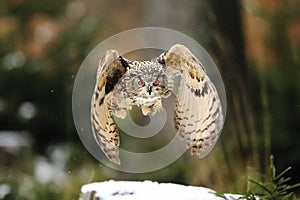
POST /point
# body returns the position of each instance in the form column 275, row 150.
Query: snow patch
column 134, row 190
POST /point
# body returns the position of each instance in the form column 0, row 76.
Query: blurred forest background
column 255, row 43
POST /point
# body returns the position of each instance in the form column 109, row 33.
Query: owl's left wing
column 199, row 117
column 111, row 68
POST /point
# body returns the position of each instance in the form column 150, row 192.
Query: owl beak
column 149, row 89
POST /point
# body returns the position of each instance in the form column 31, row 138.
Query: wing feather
column 111, row 68
column 199, row 116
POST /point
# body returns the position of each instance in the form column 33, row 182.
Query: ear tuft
column 123, row 62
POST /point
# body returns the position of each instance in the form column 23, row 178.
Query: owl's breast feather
column 141, row 100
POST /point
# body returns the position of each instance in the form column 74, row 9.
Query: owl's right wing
column 111, row 68
column 199, row 115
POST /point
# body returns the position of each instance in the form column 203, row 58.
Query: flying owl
column 122, row 83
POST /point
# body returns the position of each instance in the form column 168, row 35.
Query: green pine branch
column 276, row 188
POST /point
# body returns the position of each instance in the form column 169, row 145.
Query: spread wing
column 198, row 112
column 111, row 68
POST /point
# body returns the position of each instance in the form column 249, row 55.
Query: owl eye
column 156, row 83
column 141, row 83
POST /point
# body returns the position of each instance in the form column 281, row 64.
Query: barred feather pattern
column 199, row 117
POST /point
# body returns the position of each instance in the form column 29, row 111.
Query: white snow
column 134, row 190
column 4, row 190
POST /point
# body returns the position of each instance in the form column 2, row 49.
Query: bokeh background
column 255, row 43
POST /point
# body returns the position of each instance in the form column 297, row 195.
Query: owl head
column 148, row 81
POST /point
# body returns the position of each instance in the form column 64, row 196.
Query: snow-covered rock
column 146, row 190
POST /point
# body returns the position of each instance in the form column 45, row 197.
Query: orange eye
column 141, row 83
column 156, row 83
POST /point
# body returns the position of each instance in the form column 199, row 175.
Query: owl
column 122, row 83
